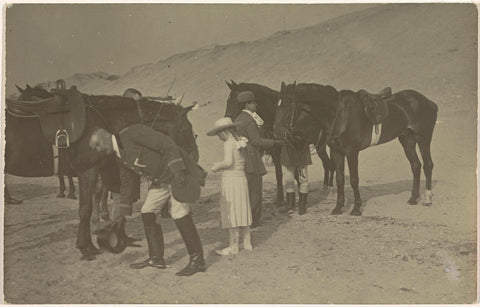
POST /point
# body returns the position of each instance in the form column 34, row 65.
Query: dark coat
column 249, row 129
column 293, row 158
column 158, row 154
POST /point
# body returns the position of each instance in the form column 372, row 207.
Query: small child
column 234, row 202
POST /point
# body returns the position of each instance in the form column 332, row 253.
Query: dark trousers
column 255, row 190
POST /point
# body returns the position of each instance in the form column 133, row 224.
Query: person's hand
column 179, row 179
column 215, row 167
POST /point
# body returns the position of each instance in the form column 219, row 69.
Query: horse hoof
column 60, row 195
column 72, row 196
column 92, row 251
column 427, row 204
column 88, row 257
column 356, row 212
column 413, row 200
column 337, row 211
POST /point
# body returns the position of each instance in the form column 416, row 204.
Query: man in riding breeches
column 154, row 155
column 295, row 166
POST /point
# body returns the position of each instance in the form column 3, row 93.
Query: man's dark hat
column 190, row 191
column 112, row 238
column 246, row 96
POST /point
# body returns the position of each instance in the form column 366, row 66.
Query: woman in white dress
column 234, row 202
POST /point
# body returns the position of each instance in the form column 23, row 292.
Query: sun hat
column 246, row 96
column 221, row 124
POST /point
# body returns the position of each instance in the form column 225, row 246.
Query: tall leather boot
column 302, row 203
column 154, row 234
column 290, row 203
column 194, row 246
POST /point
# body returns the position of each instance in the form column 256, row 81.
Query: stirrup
column 62, row 139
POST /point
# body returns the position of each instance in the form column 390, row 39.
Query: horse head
column 185, row 137
column 233, row 109
column 293, row 118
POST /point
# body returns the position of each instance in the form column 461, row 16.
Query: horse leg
column 104, row 214
column 339, row 162
column 424, row 147
column 408, row 142
column 71, row 188
column 279, row 175
column 86, row 181
column 352, row 159
column 61, row 192
column 327, row 168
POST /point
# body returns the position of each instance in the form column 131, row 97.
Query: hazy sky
column 50, row 41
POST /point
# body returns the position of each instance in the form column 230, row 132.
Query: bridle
column 303, row 107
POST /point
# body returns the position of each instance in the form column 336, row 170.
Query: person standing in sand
column 234, row 201
column 249, row 122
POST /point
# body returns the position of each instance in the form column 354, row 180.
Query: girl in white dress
column 234, row 202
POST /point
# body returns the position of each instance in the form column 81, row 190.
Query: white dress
column 234, row 202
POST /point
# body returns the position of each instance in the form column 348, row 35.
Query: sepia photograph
column 229, row 153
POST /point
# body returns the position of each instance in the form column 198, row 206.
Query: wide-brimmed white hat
column 221, row 124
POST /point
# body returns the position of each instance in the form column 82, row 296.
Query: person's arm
column 227, row 157
column 253, row 135
column 160, row 143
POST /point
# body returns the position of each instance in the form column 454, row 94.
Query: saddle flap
column 375, row 105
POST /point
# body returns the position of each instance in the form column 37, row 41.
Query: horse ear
column 188, row 109
column 294, row 82
column 233, row 83
column 228, row 84
column 282, row 88
column 28, row 86
column 21, row 90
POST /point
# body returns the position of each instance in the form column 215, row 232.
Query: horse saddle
column 62, row 117
column 375, row 105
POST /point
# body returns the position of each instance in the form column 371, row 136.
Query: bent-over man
column 154, row 155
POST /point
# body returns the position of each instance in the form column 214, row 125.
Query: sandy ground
column 394, row 253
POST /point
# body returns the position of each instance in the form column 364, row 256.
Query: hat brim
column 216, row 130
column 188, row 193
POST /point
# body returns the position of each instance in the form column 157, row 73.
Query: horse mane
column 317, row 95
column 262, row 89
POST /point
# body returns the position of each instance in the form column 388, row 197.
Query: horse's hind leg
column 61, row 192
column 279, row 176
column 424, row 146
column 408, row 142
column 352, row 159
column 71, row 188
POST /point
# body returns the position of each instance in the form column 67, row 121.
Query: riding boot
column 290, row 203
column 194, row 246
column 154, row 234
column 302, row 203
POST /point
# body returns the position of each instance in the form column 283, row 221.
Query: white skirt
column 235, row 202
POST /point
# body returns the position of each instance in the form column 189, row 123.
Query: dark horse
column 18, row 158
column 316, row 112
column 115, row 113
column 267, row 100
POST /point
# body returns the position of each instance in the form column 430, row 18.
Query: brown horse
column 316, row 112
column 114, row 113
column 267, row 101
